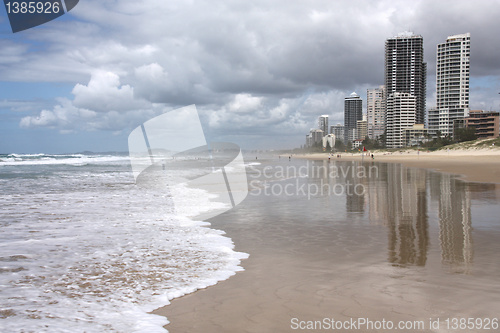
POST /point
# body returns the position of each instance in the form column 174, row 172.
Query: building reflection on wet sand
column 455, row 226
column 399, row 197
column 455, row 222
column 405, row 213
column 354, row 174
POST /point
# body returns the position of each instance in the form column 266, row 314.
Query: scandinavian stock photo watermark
column 325, row 179
column 171, row 149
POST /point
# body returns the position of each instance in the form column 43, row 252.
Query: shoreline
column 481, row 166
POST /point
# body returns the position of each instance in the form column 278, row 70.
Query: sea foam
column 85, row 249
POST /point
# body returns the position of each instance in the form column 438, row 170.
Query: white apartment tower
column 452, row 84
column 400, row 116
column 375, row 107
column 405, row 82
column 323, row 124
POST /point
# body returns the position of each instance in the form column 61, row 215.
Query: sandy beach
column 304, row 272
column 482, row 165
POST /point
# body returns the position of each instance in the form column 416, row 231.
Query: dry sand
column 290, row 277
column 473, row 165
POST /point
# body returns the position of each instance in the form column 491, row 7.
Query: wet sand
column 303, row 268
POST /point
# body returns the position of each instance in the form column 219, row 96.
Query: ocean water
column 84, row 249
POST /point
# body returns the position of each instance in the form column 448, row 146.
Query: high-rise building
column 315, row 136
column 323, row 124
column 362, row 128
column 405, row 75
column 353, row 111
column 400, row 116
column 375, row 107
column 338, row 130
column 452, row 84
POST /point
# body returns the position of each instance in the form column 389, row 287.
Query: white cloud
column 10, row 52
column 102, row 104
column 45, row 119
column 152, row 72
column 21, row 105
column 64, row 116
column 245, row 103
column 104, row 93
column 261, row 115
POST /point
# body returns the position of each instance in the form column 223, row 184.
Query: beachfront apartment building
column 415, row 135
column 452, row 85
column 486, row 124
column 351, row 135
column 405, row 85
column 356, row 144
column 338, row 130
column 323, row 124
column 315, row 136
column 400, row 116
column 329, row 142
column 362, row 128
column 353, row 111
column 375, row 111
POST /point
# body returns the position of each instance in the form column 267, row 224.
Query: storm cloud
column 255, row 69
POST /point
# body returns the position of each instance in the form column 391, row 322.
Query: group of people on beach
column 340, row 156
column 329, row 156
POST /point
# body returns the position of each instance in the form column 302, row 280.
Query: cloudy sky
column 259, row 72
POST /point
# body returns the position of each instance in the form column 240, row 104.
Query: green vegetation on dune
column 437, row 144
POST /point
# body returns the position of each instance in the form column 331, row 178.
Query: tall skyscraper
column 375, row 108
column 452, row 84
column 353, row 111
column 405, row 73
column 323, row 124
